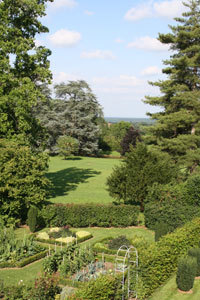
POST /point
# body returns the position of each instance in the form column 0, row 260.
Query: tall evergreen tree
column 23, row 67
column 81, row 114
column 177, row 129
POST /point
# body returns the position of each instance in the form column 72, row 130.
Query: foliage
column 68, row 261
column 141, row 168
column 186, row 273
column 13, row 250
column 81, row 113
column 131, row 138
column 62, row 232
column 160, row 259
column 22, row 182
column 67, row 145
column 192, row 190
column 23, row 67
column 105, row 287
column 176, row 130
column 160, row 230
column 32, row 218
column 89, row 215
column 118, row 242
column 195, row 252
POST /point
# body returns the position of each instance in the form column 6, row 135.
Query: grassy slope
column 80, row 180
column 169, row 291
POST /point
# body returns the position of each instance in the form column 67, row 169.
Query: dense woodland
column 159, row 173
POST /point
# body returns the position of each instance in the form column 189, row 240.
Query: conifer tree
column 177, row 130
column 81, row 114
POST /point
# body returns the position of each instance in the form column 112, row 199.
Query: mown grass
column 80, row 179
column 169, row 291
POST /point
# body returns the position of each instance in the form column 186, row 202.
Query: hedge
column 105, row 250
column 25, row 261
column 53, row 242
column 85, row 215
column 159, row 261
column 172, row 214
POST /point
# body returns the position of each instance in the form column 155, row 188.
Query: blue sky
column 112, row 45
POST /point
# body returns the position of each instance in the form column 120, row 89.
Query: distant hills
column 132, row 120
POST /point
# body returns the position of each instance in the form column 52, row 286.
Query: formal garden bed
column 62, row 236
column 18, row 253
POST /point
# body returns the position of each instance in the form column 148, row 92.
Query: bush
column 172, row 213
column 186, row 273
column 32, row 218
column 195, row 252
column 160, row 259
column 105, row 287
column 85, row 215
column 160, row 230
column 118, row 242
column 192, row 187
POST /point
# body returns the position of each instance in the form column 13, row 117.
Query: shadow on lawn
column 68, row 179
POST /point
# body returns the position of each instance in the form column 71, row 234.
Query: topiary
column 118, row 242
column 195, row 252
column 32, row 218
column 186, row 272
column 161, row 229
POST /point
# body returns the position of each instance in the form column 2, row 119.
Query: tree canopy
column 177, row 127
column 81, row 114
column 23, row 67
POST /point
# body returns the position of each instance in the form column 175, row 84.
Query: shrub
column 105, row 287
column 160, row 230
column 172, row 213
column 32, row 218
column 186, row 273
column 160, row 259
column 192, row 187
column 195, row 252
column 85, row 215
column 118, row 242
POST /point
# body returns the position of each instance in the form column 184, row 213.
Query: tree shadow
column 67, row 180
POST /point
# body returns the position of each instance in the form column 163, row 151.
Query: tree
column 131, row 138
column 177, row 130
column 67, row 145
column 129, row 182
column 23, row 67
column 22, row 181
column 81, row 114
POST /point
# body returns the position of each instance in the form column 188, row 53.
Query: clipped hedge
column 172, row 214
column 100, row 248
column 160, row 260
column 85, row 215
column 53, row 242
column 25, row 261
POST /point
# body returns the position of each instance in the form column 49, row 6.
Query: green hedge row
column 25, row 261
column 160, row 259
column 53, row 242
column 85, row 215
column 105, row 250
column 172, row 214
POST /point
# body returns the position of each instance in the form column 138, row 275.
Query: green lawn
column 169, row 291
column 80, row 179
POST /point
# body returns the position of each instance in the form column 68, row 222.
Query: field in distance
column 80, row 179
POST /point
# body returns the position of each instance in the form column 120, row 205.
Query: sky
column 111, row 44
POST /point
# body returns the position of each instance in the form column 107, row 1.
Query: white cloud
column 64, row 77
column 99, row 54
column 38, row 43
column 118, row 82
column 63, row 3
column 65, row 38
column 152, row 70
column 138, row 13
column 168, row 8
column 89, row 13
column 148, row 43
